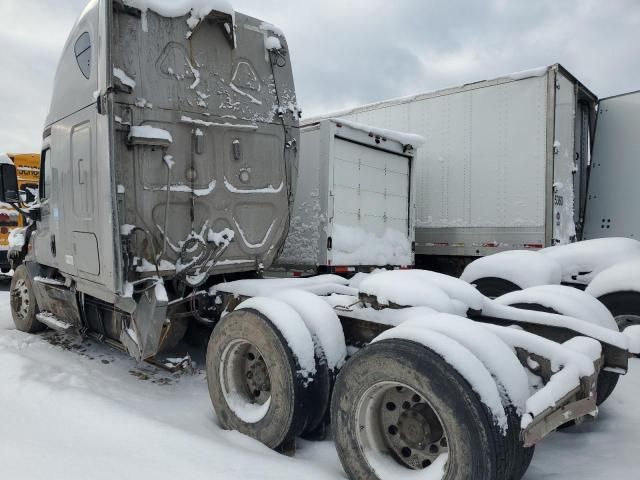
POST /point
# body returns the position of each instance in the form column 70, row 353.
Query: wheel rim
column 397, row 425
column 627, row 320
column 20, row 299
column 245, row 381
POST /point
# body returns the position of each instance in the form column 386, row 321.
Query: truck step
column 52, row 322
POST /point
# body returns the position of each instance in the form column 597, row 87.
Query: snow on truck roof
column 199, row 9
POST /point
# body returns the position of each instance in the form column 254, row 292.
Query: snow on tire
column 330, row 352
column 570, row 302
column 399, row 410
column 260, row 363
column 503, row 364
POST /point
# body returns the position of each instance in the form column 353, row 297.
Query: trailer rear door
column 612, row 201
column 371, row 195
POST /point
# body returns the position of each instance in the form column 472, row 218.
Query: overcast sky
column 349, row 52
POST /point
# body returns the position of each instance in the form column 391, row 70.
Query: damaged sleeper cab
column 168, row 178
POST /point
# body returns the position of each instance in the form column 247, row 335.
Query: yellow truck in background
column 28, row 170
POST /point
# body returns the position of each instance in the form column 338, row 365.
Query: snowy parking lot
column 72, row 408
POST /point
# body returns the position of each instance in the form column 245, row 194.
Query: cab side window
column 83, row 53
column 46, row 174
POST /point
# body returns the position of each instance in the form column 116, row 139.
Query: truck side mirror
column 9, row 184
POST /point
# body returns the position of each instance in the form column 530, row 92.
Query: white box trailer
column 613, row 178
column 354, row 206
column 504, row 162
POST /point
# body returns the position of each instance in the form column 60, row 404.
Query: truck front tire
column 253, row 380
column 398, row 408
column 24, row 306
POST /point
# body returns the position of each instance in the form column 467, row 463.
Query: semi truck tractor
column 168, row 179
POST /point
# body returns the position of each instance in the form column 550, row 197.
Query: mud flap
column 142, row 338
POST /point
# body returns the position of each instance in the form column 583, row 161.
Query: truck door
column 44, row 238
column 75, row 140
column 612, row 199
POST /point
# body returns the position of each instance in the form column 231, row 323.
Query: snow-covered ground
column 78, row 409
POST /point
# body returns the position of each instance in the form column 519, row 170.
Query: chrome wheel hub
column 397, row 421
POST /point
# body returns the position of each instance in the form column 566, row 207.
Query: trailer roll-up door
column 371, row 188
column 354, row 207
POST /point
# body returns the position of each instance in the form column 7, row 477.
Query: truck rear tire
column 24, row 306
column 624, row 306
column 493, row 287
column 607, row 381
column 398, row 408
column 253, row 380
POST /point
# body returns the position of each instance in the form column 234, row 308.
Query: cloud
column 346, row 53
column 32, row 34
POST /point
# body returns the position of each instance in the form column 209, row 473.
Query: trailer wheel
column 624, row 306
column 253, row 380
column 607, row 381
column 24, row 306
column 398, row 408
column 493, row 287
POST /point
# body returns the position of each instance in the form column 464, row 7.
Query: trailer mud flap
column 142, row 337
